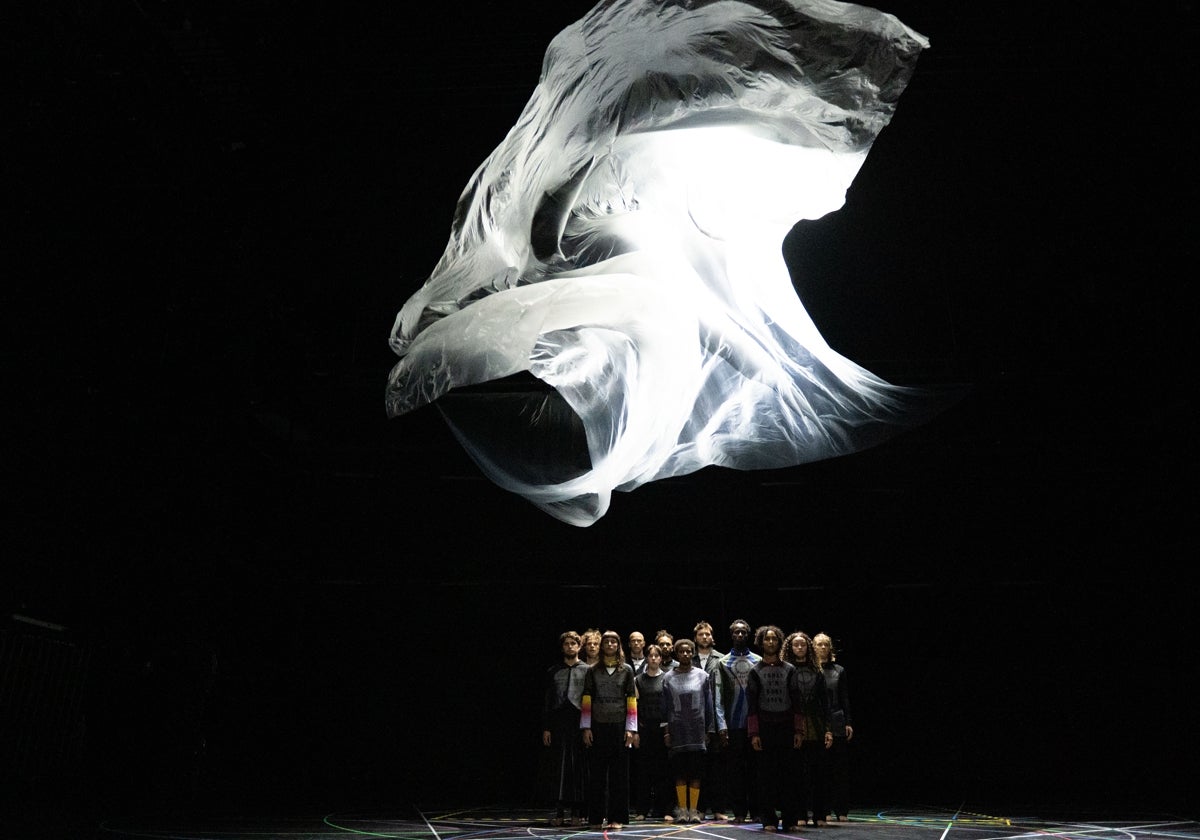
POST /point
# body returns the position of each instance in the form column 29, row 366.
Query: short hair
column 684, row 643
column 570, row 634
column 701, row 625
column 738, row 621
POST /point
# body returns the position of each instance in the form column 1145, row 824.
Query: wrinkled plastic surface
column 623, row 245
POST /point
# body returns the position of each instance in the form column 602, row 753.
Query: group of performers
column 678, row 731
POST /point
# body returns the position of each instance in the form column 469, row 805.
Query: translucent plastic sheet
column 623, row 245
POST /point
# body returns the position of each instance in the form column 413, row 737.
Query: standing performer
column 651, row 793
column 836, row 775
column 775, row 728
column 691, row 723
column 814, row 709
column 563, row 772
column 609, row 723
column 737, row 778
column 708, row 659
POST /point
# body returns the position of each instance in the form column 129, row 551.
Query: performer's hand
column 587, row 737
column 545, row 737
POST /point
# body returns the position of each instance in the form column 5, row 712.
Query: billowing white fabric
column 623, row 245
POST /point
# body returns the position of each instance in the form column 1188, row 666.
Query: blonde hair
column 590, row 633
column 832, row 652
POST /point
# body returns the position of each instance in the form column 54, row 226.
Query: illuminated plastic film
column 623, row 246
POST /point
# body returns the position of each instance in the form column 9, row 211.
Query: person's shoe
column 694, row 816
column 843, row 818
column 721, row 815
column 770, row 829
column 615, row 826
column 637, row 818
column 681, row 814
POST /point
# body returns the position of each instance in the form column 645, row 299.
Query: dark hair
column 810, row 658
column 763, row 631
column 613, row 634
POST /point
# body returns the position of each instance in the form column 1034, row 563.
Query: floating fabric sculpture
column 623, row 246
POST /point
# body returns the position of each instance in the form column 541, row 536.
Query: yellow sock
column 694, row 792
column 681, row 795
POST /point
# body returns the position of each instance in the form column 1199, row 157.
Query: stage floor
column 484, row 823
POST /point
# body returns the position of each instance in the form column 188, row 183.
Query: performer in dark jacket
column 708, row 659
column 562, row 772
column 814, row 709
column 836, row 775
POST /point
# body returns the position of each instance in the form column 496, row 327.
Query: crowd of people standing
column 678, row 731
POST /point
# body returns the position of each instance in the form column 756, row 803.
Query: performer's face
column 770, row 642
column 704, row 639
column 740, row 633
column 800, row 648
column 570, row 648
column 609, row 645
column 684, row 651
column 637, row 643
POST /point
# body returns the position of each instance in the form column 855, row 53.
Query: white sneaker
column 681, row 814
column 694, row 816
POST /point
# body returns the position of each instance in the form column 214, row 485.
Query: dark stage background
column 231, row 582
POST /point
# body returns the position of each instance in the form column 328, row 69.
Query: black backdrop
column 276, row 595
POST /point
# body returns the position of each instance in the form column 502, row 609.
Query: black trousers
column 739, row 777
column 834, row 782
column 652, row 790
column 777, row 774
column 810, row 793
column 608, row 774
